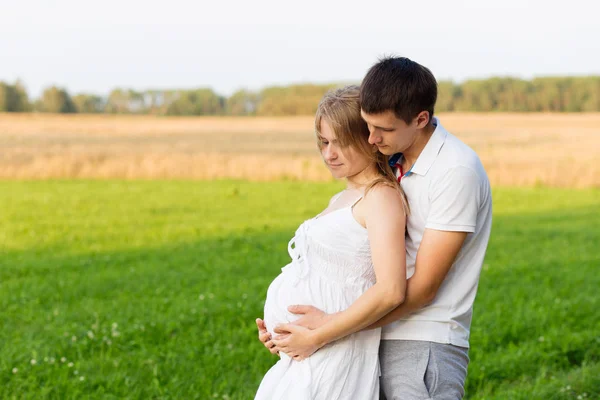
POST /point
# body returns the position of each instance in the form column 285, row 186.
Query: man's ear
column 423, row 119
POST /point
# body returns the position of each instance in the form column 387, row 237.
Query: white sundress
column 331, row 267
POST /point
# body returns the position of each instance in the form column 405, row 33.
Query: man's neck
column 412, row 153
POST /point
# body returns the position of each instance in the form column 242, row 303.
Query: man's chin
column 387, row 150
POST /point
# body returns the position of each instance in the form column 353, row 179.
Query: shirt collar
column 430, row 151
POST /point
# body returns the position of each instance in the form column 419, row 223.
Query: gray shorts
column 412, row 370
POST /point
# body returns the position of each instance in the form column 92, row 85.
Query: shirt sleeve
column 454, row 201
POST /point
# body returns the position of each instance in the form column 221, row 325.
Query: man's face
column 390, row 134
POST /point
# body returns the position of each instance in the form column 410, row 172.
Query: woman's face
column 342, row 162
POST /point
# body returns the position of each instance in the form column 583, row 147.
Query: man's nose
column 374, row 138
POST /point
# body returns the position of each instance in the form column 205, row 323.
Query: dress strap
column 335, row 197
column 356, row 201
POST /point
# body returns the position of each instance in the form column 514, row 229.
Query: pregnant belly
column 285, row 291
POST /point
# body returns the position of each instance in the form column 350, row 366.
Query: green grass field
column 149, row 289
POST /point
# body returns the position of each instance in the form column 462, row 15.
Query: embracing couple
column 377, row 300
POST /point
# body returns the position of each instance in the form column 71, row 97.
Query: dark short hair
column 400, row 85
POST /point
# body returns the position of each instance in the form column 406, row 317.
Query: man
column 424, row 347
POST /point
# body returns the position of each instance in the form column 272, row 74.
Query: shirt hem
column 429, row 331
column 451, row 228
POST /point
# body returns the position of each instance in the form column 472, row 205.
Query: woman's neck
column 362, row 179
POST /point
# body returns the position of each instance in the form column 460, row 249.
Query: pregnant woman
column 348, row 260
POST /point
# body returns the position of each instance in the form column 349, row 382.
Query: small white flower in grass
column 579, row 397
column 33, row 361
column 211, row 296
column 568, row 387
column 90, row 334
column 201, row 297
column 115, row 325
column 541, row 339
column 76, row 372
column 70, row 364
column 108, row 342
column 245, row 296
column 63, row 359
column 52, row 360
column 45, row 359
column 95, row 327
column 73, row 338
column 82, row 378
column 115, row 333
column 15, row 370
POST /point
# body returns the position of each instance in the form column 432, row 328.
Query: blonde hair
column 341, row 109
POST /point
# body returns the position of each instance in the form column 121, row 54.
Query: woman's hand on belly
column 265, row 337
column 300, row 346
column 296, row 341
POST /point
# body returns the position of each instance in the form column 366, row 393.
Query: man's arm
column 435, row 257
column 455, row 201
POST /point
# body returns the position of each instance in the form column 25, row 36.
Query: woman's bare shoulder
column 384, row 199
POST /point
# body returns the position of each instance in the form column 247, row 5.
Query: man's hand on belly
column 310, row 317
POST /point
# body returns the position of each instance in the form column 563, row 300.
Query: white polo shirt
column 448, row 190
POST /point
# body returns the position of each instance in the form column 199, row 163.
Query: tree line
column 549, row 94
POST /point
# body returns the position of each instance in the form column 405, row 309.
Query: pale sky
column 226, row 45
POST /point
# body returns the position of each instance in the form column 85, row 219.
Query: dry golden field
column 516, row 149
